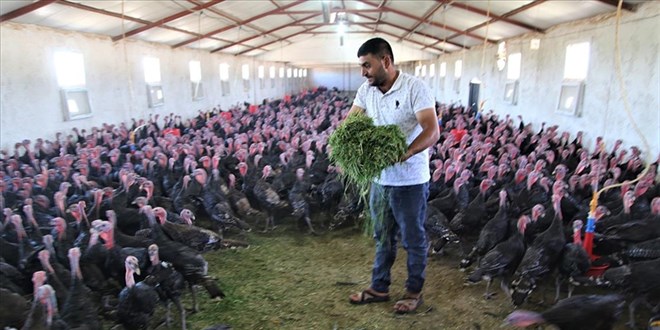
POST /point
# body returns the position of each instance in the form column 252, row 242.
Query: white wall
column 30, row 105
column 346, row 78
column 603, row 112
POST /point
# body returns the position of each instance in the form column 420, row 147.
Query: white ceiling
column 303, row 31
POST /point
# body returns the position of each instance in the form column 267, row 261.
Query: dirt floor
column 288, row 279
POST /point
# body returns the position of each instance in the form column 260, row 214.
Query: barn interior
column 155, row 121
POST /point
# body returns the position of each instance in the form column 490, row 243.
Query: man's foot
column 368, row 296
column 409, row 303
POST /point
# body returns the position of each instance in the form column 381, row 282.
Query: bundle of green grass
column 363, row 150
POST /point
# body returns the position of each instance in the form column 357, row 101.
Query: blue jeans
column 399, row 210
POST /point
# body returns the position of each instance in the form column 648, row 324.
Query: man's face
column 373, row 68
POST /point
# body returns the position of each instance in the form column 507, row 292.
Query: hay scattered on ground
column 290, row 280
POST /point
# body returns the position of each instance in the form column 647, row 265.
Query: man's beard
column 378, row 79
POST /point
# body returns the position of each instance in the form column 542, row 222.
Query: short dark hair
column 376, row 46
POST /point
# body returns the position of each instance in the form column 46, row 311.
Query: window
column 224, row 72
column 418, row 69
column 442, row 74
column 432, row 70
column 577, row 61
column 245, row 73
column 295, row 73
column 151, row 70
column 513, row 69
column 152, row 78
column 458, row 69
column 512, row 76
column 196, row 80
column 511, row 92
column 224, row 78
column 272, row 76
column 575, row 71
column 195, row 71
column 289, row 72
column 70, row 72
column 261, row 74
column 570, row 97
column 281, row 72
column 423, row 70
column 70, row 69
column 305, row 73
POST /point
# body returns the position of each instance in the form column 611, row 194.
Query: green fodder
column 362, row 150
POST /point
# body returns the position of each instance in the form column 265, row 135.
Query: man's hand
column 405, row 156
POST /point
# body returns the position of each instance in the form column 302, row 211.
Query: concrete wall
column 30, row 105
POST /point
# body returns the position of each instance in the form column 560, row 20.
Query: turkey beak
column 135, row 266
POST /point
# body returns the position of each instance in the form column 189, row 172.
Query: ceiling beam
column 229, row 17
column 424, row 18
column 624, row 5
column 437, row 41
column 482, row 12
column 251, row 19
column 416, row 32
column 332, row 10
column 278, row 6
column 25, row 9
column 406, row 39
column 380, row 14
column 331, row 32
column 266, row 32
column 442, row 26
column 128, row 18
column 505, row 15
column 280, row 39
column 166, row 20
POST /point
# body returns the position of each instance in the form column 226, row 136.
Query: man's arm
column 430, row 133
column 355, row 109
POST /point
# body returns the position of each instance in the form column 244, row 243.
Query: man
column 398, row 197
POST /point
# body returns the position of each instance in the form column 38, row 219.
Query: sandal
column 408, row 304
column 367, row 296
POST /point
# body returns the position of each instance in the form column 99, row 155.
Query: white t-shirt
column 398, row 106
